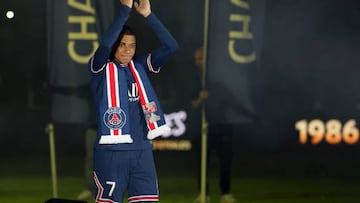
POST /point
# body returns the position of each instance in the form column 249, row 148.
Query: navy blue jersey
column 150, row 62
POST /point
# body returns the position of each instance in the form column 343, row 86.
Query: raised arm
column 168, row 46
column 143, row 7
column 102, row 54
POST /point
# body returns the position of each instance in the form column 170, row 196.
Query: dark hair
column 126, row 30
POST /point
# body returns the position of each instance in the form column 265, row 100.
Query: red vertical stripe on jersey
column 141, row 93
column 113, row 89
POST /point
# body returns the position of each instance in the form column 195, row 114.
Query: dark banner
column 274, row 64
column 308, row 86
column 74, row 28
column 232, row 58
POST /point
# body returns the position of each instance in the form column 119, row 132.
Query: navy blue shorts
column 116, row 172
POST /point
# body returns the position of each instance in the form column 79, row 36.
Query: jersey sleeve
column 168, row 45
column 102, row 54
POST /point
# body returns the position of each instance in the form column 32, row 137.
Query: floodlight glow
column 10, row 14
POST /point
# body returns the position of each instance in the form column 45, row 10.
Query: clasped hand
column 142, row 6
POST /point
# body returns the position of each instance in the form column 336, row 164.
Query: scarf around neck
column 117, row 113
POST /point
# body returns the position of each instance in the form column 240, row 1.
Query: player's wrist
column 146, row 14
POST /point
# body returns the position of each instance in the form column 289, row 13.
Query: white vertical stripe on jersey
column 108, row 87
column 140, row 82
column 142, row 88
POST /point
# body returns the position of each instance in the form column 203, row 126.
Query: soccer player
column 129, row 112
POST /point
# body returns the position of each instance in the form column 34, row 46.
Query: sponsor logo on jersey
column 133, row 93
column 149, row 111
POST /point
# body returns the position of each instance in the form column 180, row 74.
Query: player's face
column 126, row 49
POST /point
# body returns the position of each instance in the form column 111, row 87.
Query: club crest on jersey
column 149, row 111
column 114, row 118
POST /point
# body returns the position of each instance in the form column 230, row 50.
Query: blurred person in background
column 219, row 138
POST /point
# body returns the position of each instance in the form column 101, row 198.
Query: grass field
column 29, row 181
column 183, row 190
